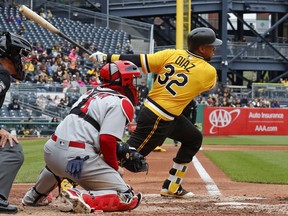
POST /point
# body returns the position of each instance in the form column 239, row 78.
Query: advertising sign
column 245, row 121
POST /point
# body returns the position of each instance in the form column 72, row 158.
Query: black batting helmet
column 15, row 48
column 202, row 36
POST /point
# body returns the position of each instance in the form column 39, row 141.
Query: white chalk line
column 209, row 183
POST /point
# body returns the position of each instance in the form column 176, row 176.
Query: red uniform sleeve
column 108, row 146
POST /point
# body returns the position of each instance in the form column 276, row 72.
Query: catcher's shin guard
column 34, row 198
column 46, row 182
column 40, row 194
column 113, row 202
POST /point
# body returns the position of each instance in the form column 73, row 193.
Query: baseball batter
column 84, row 147
column 181, row 76
column 12, row 49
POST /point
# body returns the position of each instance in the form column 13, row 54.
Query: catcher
column 84, row 147
column 181, row 76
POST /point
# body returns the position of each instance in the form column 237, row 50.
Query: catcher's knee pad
column 113, row 202
column 177, row 173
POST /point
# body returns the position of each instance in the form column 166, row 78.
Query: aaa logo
column 221, row 118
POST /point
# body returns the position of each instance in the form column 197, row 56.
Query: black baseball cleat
column 180, row 193
column 6, row 208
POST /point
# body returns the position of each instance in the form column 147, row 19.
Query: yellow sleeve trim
column 115, row 57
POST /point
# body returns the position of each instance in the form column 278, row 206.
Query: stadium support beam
column 183, row 22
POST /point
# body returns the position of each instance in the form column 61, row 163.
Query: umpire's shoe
column 6, row 208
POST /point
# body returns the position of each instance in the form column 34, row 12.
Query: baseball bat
column 27, row 12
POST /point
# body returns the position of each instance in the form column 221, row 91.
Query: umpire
column 12, row 49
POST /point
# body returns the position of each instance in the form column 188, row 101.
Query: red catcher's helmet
column 119, row 76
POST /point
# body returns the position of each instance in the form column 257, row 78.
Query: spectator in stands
column 54, row 119
column 62, row 103
column 118, row 47
column 275, row 104
column 48, row 98
column 43, row 13
column 49, row 14
column 18, row 19
column 142, row 91
column 128, row 47
column 81, row 82
column 88, row 44
column 28, row 66
column 53, row 125
column 36, row 79
column 92, row 48
column 93, row 82
column 56, row 50
column 66, row 61
column 65, row 49
column 20, row 128
column 73, row 55
column 57, row 99
column 21, row 31
column 10, row 19
column 31, row 129
column 56, row 78
column 14, row 105
column 92, row 72
column 73, row 84
column 244, row 101
column 28, row 78
column 39, row 48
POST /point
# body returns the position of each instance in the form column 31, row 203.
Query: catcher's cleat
column 65, row 184
column 33, row 198
column 159, row 149
column 74, row 198
column 180, row 193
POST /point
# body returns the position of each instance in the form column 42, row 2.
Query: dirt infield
column 233, row 198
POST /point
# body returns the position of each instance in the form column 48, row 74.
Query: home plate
column 236, row 204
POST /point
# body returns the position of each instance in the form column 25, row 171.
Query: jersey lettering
column 184, row 63
column 170, row 71
column 181, row 81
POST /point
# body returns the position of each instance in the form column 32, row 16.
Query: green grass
column 242, row 140
column 246, row 140
column 33, row 160
column 252, row 166
column 243, row 166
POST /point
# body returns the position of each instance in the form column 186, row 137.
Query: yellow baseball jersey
column 181, row 76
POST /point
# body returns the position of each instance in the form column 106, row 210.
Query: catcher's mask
column 119, row 76
column 16, row 48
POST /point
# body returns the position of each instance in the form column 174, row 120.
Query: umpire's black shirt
column 5, row 81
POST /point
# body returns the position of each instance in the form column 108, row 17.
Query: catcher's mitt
column 130, row 159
